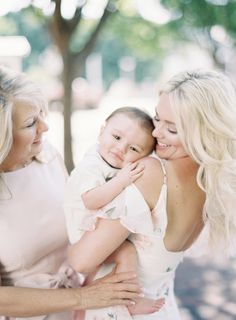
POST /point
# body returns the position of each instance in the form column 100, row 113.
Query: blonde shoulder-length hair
column 14, row 87
column 204, row 104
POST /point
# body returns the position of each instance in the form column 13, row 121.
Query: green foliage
column 29, row 23
column 126, row 33
column 133, row 36
column 203, row 14
column 138, row 35
column 82, row 34
column 196, row 19
column 7, row 26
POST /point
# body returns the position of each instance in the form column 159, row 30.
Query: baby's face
column 123, row 140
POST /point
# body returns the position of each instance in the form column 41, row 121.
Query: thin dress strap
column 164, row 171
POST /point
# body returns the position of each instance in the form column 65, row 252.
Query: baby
column 107, row 169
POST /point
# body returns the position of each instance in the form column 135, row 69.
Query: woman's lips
column 162, row 145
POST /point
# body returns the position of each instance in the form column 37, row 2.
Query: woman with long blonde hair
column 190, row 185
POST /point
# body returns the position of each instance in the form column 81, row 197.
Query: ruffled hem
column 130, row 207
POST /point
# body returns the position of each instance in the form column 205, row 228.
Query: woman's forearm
column 27, row 302
column 107, row 291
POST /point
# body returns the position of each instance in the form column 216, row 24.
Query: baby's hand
column 130, row 173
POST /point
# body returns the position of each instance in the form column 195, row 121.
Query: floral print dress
column 156, row 265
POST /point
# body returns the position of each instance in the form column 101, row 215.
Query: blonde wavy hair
column 14, row 87
column 204, row 104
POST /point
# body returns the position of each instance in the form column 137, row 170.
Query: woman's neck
column 183, row 168
column 9, row 165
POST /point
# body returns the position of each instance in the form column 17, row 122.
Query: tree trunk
column 67, row 78
column 62, row 31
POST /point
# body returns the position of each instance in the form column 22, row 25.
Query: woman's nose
column 158, row 131
column 42, row 125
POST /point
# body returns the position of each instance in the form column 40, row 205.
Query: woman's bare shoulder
column 151, row 181
column 152, row 167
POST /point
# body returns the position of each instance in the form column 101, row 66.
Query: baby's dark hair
column 144, row 119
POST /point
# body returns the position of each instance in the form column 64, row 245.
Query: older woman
column 192, row 183
column 33, row 236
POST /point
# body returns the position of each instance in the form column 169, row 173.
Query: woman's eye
column 116, row 137
column 156, row 118
column 31, row 124
column 172, row 131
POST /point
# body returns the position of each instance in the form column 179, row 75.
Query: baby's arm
column 98, row 197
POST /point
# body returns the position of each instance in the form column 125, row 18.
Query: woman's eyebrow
column 29, row 118
column 167, row 121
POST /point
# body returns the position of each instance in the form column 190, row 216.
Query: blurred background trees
column 209, row 23
column 100, row 41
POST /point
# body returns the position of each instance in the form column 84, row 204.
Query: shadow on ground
column 206, row 289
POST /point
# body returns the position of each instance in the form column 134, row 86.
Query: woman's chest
column 31, row 221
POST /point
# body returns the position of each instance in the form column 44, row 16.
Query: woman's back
column 184, row 203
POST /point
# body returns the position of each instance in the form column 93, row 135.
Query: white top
column 91, row 172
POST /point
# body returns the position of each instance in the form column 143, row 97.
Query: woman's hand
column 107, row 291
column 113, row 289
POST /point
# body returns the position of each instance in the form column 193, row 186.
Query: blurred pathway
column 207, row 289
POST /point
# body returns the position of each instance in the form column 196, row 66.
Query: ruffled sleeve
column 130, row 207
column 80, row 181
column 89, row 174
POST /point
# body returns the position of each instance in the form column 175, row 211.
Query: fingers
column 100, row 295
column 125, row 302
column 124, row 293
column 136, row 170
column 130, row 173
column 137, row 176
column 132, row 165
column 119, row 277
column 108, row 294
column 129, row 288
column 135, row 166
